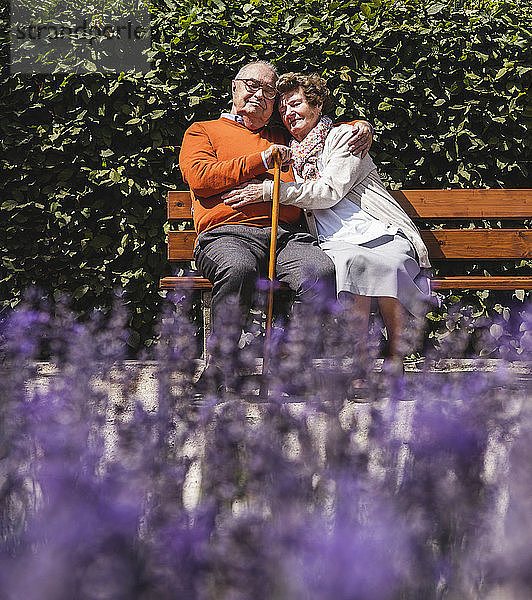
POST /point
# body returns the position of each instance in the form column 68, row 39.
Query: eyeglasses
column 252, row 86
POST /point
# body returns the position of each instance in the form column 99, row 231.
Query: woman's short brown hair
column 314, row 87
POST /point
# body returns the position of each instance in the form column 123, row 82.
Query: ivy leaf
column 114, row 175
column 496, row 331
column 435, row 9
column 501, row 73
column 80, row 292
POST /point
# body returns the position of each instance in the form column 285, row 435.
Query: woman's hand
column 362, row 139
column 286, row 156
column 247, row 193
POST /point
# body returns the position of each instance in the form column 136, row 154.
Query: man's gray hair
column 258, row 62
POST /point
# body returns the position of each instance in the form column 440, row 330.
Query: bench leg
column 206, row 297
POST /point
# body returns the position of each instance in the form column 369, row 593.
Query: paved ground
column 518, row 375
column 514, row 391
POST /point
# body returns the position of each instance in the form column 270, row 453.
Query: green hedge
column 88, row 158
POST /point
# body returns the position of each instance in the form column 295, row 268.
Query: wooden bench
column 428, row 208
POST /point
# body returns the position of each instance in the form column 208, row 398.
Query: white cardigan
column 343, row 175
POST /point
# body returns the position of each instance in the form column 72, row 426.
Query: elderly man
column 233, row 245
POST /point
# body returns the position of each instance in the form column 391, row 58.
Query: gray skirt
column 386, row 266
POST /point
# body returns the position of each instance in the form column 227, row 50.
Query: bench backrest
column 424, row 206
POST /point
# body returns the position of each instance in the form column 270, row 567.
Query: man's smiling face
column 254, row 106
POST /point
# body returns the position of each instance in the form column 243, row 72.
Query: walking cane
column 271, row 267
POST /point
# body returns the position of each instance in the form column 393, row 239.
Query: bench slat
column 425, row 204
column 192, row 282
column 179, row 205
column 466, row 203
column 472, row 282
column 181, row 244
column 486, row 244
column 483, row 244
column 438, row 283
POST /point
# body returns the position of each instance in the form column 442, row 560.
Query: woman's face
column 298, row 116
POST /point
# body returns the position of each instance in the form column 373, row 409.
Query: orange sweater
column 219, row 155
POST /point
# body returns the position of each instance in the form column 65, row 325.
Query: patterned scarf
column 306, row 152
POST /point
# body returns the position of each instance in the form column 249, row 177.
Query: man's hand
column 247, row 193
column 286, row 156
column 361, row 140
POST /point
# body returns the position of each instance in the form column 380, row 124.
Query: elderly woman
column 377, row 250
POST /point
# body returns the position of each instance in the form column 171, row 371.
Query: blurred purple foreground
column 115, row 483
